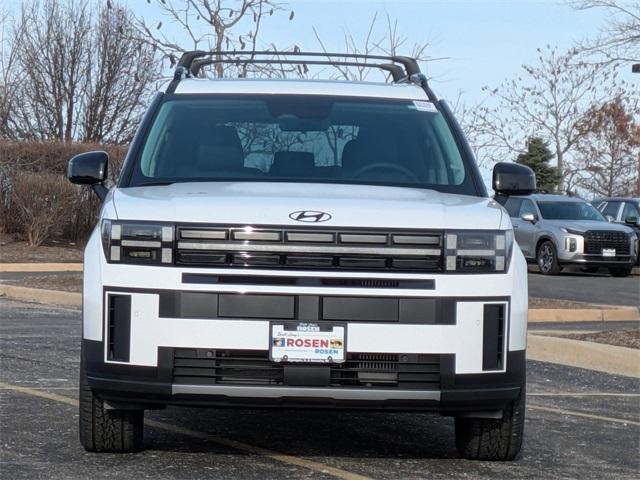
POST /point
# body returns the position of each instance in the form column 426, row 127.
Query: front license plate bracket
column 300, row 342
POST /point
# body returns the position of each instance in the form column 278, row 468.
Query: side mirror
column 513, row 179
column 633, row 221
column 90, row 168
column 609, row 218
column 529, row 217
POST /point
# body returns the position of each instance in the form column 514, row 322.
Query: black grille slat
column 362, row 370
column 379, row 250
column 596, row 240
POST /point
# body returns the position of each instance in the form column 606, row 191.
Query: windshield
column 299, row 138
column 569, row 211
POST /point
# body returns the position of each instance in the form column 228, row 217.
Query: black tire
column 547, row 259
column 102, row 430
column 489, row 439
column 620, row 272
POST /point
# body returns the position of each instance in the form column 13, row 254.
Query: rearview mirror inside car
column 90, row 168
column 513, row 179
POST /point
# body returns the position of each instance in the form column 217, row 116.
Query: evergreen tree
column 537, row 157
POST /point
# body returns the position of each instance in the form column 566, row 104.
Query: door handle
column 516, row 227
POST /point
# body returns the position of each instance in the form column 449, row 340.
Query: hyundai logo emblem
column 309, row 216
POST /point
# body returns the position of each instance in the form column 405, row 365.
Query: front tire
column 489, row 439
column 547, row 259
column 620, row 272
column 103, row 430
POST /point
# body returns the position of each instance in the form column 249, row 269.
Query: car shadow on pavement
column 311, row 433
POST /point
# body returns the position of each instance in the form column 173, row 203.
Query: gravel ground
column 17, row 251
column 622, row 338
column 67, row 282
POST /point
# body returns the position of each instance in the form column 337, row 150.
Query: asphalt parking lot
column 576, row 286
column 580, row 424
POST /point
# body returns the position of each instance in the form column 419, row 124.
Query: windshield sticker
column 423, row 106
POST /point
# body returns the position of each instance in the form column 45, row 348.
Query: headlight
column 137, row 242
column 478, row 251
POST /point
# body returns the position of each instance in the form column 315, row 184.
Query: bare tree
column 609, row 150
column 619, row 40
column 546, row 100
column 52, row 56
column 212, row 25
column 81, row 77
column 8, row 79
column 385, row 40
column 120, row 73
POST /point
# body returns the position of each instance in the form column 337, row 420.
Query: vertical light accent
column 451, row 262
column 116, row 232
column 167, row 234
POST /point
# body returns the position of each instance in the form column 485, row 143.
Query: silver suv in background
column 557, row 231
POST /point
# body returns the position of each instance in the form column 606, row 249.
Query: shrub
column 39, row 204
column 41, row 162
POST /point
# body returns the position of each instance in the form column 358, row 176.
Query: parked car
column 621, row 210
column 556, row 231
column 303, row 244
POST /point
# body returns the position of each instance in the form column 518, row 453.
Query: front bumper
column 153, row 387
column 406, row 314
column 586, row 260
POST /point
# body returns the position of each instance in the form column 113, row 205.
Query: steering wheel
column 387, row 165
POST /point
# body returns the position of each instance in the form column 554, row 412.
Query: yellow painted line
column 562, row 411
column 39, row 393
column 245, row 447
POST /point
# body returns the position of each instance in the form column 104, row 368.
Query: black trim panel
column 342, row 282
column 118, row 327
column 209, row 305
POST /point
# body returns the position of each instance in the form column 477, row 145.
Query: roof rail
column 402, row 69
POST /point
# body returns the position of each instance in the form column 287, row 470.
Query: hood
column 270, row 203
column 584, row 225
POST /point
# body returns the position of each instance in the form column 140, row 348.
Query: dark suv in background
column 621, row 210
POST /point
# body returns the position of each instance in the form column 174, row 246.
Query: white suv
column 301, row 244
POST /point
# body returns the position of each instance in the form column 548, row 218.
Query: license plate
column 307, row 342
column 608, row 252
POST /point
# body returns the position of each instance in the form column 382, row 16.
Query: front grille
column 596, row 240
column 304, row 248
column 250, row 367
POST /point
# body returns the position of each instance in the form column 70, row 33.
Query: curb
column 40, row 267
column 578, row 353
column 583, row 314
column 38, row 295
